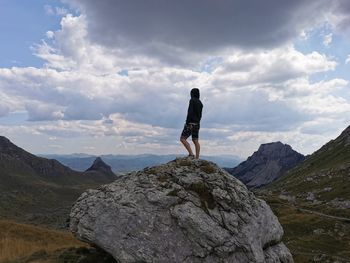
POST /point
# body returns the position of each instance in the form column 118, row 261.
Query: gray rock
column 267, row 164
column 310, row 196
column 184, row 211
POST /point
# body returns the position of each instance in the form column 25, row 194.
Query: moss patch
column 163, row 178
column 207, row 168
column 185, row 162
column 204, row 193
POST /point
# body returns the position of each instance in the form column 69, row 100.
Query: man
column 192, row 125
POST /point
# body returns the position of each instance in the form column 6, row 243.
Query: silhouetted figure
column 192, row 125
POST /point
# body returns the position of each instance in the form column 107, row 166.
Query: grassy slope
column 28, row 197
column 21, row 240
column 327, row 167
column 326, row 173
column 311, row 236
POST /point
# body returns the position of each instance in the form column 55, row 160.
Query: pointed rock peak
column 101, row 166
column 5, row 142
column 99, row 160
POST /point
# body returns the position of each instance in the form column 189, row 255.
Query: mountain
column 324, row 174
column 39, row 190
column 128, row 163
column 100, row 167
column 13, row 157
column 187, row 210
column 267, row 164
column 312, row 202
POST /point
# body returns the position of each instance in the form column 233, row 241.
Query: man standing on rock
column 192, row 125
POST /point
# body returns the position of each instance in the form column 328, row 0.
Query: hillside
column 323, row 178
column 38, row 190
column 312, row 202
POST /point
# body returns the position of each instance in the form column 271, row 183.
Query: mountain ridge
column 266, row 164
column 39, row 190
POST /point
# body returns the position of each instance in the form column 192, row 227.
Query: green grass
column 29, row 198
column 300, row 238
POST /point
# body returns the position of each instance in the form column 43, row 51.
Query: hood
column 195, row 93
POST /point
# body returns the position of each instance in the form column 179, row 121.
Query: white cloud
column 347, row 61
column 327, row 39
column 59, row 11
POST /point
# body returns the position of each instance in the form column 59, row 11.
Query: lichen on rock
column 184, row 211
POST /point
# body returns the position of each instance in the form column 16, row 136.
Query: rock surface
column 184, row 211
column 267, row 164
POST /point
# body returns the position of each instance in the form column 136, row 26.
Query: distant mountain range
column 267, row 164
column 127, row 163
column 39, row 190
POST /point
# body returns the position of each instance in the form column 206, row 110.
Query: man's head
column 195, row 93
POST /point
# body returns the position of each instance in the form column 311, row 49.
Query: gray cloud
column 342, row 25
column 158, row 27
column 4, row 110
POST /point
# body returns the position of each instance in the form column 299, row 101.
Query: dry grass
column 207, row 168
column 20, row 240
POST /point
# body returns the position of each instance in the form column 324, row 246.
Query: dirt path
column 344, row 219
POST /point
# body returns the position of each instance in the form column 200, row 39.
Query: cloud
column 39, row 111
column 271, row 67
column 169, row 29
column 347, row 61
column 234, row 90
column 59, row 11
column 4, row 110
column 340, row 17
column 327, row 39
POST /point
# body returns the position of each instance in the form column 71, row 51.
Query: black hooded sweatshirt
column 194, row 112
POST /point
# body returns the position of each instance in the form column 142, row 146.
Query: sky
column 114, row 76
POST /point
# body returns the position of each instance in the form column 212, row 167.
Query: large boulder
column 184, row 211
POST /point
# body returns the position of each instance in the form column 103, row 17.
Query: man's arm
column 189, row 111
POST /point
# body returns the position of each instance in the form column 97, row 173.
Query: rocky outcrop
column 184, row 211
column 100, row 166
column 267, row 164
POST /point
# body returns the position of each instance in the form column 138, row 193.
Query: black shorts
column 190, row 129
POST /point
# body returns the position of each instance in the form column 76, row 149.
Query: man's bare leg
column 187, row 145
column 197, row 146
